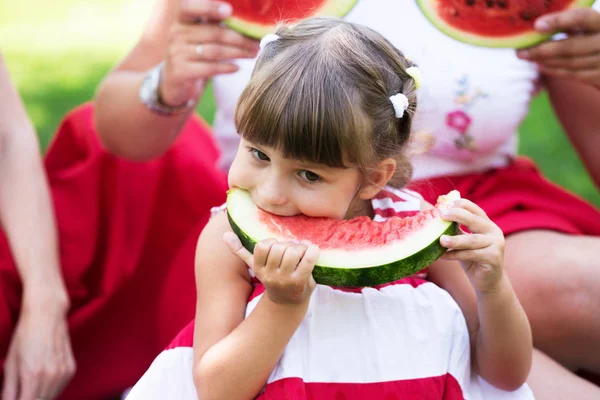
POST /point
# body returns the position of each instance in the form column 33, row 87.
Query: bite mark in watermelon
column 256, row 18
column 354, row 253
column 494, row 23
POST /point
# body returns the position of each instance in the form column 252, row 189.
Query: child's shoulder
column 218, row 223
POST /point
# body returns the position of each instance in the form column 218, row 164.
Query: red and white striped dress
column 404, row 340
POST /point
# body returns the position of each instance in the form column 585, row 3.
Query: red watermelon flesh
column 360, row 232
column 494, row 23
column 497, row 17
column 256, row 18
column 271, row 11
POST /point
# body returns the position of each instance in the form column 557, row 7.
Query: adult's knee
column 561, row 295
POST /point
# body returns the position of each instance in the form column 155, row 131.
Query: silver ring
column 199, row 49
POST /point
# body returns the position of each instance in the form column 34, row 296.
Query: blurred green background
column 57, row 52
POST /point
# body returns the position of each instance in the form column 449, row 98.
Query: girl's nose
column 272, row 192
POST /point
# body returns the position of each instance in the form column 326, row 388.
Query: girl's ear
column 377, row 178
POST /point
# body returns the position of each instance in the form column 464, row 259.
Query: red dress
column 127, row 234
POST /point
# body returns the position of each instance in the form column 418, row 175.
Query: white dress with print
column 471, row 103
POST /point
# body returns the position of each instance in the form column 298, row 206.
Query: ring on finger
column 199, row 49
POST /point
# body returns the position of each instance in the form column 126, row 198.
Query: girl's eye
column 309, row 176
column 259, row 155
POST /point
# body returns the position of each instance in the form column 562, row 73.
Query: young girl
column 324, row 122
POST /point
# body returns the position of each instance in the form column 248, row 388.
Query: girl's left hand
column 481, row 253
column 576, row 57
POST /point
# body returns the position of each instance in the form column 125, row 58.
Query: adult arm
column 577, row 106
column 39, row 361
column 571, row 71
column 172, row 35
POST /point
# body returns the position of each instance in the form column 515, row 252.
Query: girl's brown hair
column 320, row 93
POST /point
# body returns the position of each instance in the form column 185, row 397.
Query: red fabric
column 443, row 387
column 185, row 338
column 127, row 233
column 519, row 198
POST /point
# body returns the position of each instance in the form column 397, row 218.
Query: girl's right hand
column 199, row 48
column 284, row 268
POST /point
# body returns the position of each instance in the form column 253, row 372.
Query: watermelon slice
column 256, row 18
column 357, row 252
column 494, row 23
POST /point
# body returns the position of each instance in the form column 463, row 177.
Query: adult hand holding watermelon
column 495, row 23
column 199, row 48
column 575, row 57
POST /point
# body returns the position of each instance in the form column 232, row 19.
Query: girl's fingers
column 475, row 223
column 462, row 242
column 463, row 255
column 275, row 256
column 489, row 256
column 471, row 207
column 261, row 253
column 291, row 259
column 235, row 246
column 307, row 263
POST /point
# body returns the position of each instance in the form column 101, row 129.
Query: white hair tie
column 268, row 38
column 400, row 103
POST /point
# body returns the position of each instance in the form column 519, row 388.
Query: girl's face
column 285, row 186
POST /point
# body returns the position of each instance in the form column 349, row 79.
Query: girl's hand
column 481, row 253
column 576, row 57
column 40, row 362
column 200, row 48
column 284, row 268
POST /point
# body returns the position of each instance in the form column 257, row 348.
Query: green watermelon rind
column 368, row 276
column 381, row 274
column 518, row 41
column 257, row 30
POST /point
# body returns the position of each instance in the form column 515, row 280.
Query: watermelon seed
column 470, row 3
column 489, row 3
column 502, row 4
column 526, row 16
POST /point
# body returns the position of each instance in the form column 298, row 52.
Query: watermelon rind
column 332, row 8
column 338, row 267
column 517, row 41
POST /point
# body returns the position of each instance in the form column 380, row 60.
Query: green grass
column 58, row 51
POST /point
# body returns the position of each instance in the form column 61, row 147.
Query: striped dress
column 404, row 340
